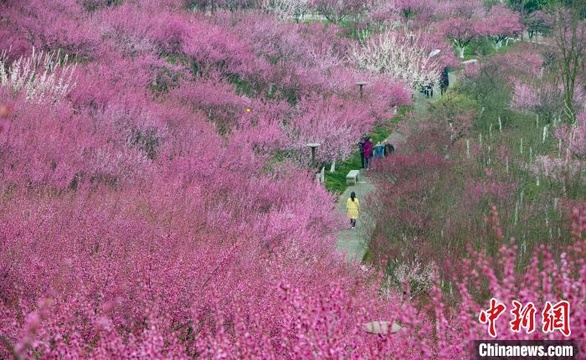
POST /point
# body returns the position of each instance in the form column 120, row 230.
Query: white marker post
column 521, row 147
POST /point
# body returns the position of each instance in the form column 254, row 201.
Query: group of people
column 369, row 152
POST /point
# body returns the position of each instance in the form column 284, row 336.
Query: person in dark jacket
column 389, row 148
column 361, row 148
column 444, row 80
column 367, row 153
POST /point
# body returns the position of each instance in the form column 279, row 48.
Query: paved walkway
column 352, row 241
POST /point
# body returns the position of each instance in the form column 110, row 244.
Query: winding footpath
column 353, row 242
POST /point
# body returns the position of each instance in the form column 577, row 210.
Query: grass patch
column 336, row 181
column 379, row 134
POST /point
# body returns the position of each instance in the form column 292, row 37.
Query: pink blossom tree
column 411, row 9
column 461, row 32
column 525, row 97
column 500, row 24
column 45, row 23
column 333, row 123
column 574, row 137
column 337, row 10
column 459, row 22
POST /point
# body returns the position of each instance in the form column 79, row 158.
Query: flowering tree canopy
column 40, row 77
column 337, row 10
column 501, row 23
column 400, row 56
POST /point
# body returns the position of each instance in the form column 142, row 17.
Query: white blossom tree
column 399, row 55
column 42, row 76
column 287, row 9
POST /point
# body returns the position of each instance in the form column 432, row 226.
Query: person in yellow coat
column 353, row 208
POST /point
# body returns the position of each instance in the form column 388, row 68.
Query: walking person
column 367, row 153
column 353, row 208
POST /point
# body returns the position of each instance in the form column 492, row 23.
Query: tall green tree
column 569, row 32
column 527, row 6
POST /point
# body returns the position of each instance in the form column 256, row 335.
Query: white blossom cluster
column 287, row 9
column 420, row 278
column 42, row 76
column 400, row 57
column 558, row 169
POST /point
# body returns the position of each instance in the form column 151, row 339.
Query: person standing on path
column 361, row 148
column 367, row 153
column 389, row 148
column 353, row 208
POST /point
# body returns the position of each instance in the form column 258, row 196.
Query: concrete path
column 352, row 241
